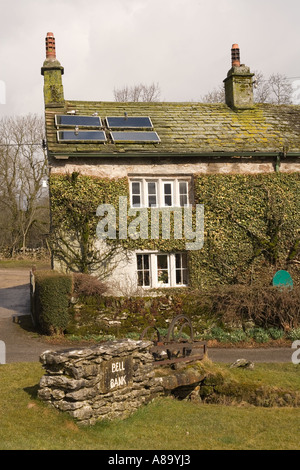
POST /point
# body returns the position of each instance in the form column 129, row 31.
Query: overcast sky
column 183, row 45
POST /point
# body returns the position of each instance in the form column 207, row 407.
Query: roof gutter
column 218, row 154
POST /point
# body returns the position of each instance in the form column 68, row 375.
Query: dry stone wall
column 102, row 382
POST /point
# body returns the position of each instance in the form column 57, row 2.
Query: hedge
column 50, row 301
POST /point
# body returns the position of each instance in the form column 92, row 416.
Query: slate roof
column 188, row 129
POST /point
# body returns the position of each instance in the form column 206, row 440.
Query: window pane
column 143, row 271
column 181, row 268
column 182, row 187
column 168, row 201
column 162, row 261
column 140, row 278
column 146, row 261
column 152, row 199
column 183, row 200
column 183, row 193
column 163, row 276
column 162, row 269
column 139, row 261
column 178, row 276
column 136, row 193
column 184, row 260
column 168, row 194
column 147, row 278
column 178, row 261
column 168, row 188
column 152, row 188
column 136, row 201
column 135, row 187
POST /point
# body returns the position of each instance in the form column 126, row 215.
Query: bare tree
column 217, row 95
column 276, row 89
column 137, row 93
column 281, row 89
column 23, row 167
column 261, row 88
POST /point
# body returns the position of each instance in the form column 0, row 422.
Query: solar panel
column 129, row 122
column 133, row 137
column 74, row 120
column 81, row 136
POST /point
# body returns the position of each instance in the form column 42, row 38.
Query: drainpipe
column 277, row 164
column 279, row 156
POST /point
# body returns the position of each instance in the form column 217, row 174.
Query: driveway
column 23, row 346
column 20, row 345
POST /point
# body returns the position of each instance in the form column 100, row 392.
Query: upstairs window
column 136, row 194
column 159, row 192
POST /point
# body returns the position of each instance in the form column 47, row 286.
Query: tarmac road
column 22, row 346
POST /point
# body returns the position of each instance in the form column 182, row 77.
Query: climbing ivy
column 251, row 223
column 251, row 227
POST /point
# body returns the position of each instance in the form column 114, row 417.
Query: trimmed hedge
column 50, row 302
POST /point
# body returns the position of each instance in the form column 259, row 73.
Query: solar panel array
column 128, row 137
column 74, row 120
column 131, row 122
column 81, row 136
column 120, row 129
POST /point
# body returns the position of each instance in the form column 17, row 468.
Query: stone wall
column 102, row 382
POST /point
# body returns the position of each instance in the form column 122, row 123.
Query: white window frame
column 143, row 270
column 146, row 192
column 135, row 194
column 155, row 282
column 160, row 190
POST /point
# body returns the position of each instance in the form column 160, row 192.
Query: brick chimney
column 52, row 72
column 238, row 83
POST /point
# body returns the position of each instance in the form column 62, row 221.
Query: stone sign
column 117, row 373
column 107, row 381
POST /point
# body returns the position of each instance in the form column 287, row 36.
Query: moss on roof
column 188, row 128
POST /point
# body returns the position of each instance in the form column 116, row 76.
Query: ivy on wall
column 251, row 224
column 252, row 227
column 74, row 202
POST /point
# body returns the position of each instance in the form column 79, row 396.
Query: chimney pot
column 238, row 83
column 50, row 46
column 235, row 55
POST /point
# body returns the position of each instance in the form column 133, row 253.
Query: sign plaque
column 117, row 373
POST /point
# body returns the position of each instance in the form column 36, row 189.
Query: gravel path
column 22, row 346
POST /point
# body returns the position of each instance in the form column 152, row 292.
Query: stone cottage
column 237, row 162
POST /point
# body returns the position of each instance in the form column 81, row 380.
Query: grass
column 24, row 263
column 165, row 424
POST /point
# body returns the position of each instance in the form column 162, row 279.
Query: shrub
column 238, row 335
column 266, row 307
column 51, row 301
column 259, row 335
column 276, row 333
column 87, row 285
column 294, row 334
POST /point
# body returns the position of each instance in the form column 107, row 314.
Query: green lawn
column 24, row 263
column 165, row 424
